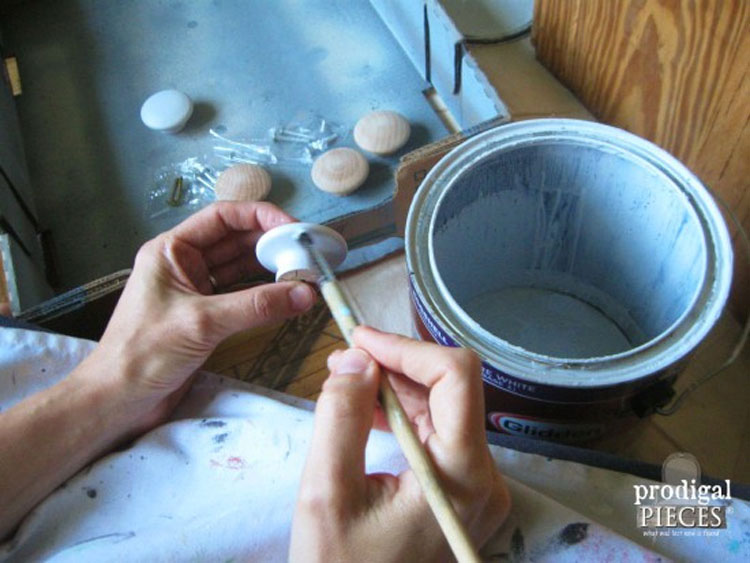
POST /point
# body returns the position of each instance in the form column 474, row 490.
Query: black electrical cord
column 495, row 40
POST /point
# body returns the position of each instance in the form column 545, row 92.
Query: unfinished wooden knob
column 382, row 132
column 243, row 182
column 340, row 171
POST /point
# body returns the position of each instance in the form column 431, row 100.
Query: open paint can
column 581, row 262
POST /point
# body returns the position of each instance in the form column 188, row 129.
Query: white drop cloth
column 218, row 483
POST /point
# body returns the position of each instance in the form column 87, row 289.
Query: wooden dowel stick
column 447, row 518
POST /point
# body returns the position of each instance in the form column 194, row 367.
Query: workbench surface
column 87, row 66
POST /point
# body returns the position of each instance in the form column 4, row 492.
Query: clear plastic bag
column 180, row 189
column 309, row 130
column 296, row 142
column 255, row 151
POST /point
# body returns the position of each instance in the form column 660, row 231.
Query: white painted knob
column 168, row 111
column 280, row 251
column 243, row 182
column 382, row 132
column 340, row 171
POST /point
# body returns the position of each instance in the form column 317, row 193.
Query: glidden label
column 545, row 429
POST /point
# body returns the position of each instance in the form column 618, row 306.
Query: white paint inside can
column 605, row 242
column 568, row 250
column 548, row 322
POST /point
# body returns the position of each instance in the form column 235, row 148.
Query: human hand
column 343, row 514
column 168, row 319
column 165, row 325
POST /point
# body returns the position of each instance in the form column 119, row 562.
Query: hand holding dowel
column 419, row 461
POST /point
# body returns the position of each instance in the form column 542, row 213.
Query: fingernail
column 301, row 297
column 333, row 359
column 352, row 362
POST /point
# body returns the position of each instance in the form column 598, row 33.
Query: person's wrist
column 115, row 378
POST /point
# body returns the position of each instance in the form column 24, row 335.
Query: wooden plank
column 526, row 87
column 671, row 71
column 13, row 76
column 244, row 346
column 4, row 297
column 290, row 356
column 381, row 294
column 309, row 386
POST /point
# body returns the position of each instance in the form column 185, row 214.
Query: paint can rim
column 658, row 353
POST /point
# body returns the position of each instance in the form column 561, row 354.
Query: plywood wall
column 673, row 71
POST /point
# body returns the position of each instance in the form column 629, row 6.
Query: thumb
column 343, row 418
column 260, row 305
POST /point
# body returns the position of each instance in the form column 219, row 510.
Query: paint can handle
column 654, row 397
column 670, row 408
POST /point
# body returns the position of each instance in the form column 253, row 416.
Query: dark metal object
column 21, row 203
column 175, row 197
column 320, row 260
column 426, row 25
column 82, row 312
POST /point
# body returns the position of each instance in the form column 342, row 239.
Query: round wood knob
column 382, row 132
column 243, row 182
column 340, row 171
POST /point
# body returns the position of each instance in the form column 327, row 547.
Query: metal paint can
column 581, row 262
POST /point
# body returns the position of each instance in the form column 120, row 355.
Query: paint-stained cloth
column 218, row 483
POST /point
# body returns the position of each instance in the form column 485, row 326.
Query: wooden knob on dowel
column 340, row 171
column 420, row 462
column 382, row 132
column 243, row 182
column 322, row 244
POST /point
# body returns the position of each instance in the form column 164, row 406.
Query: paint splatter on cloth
column 218, row 482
